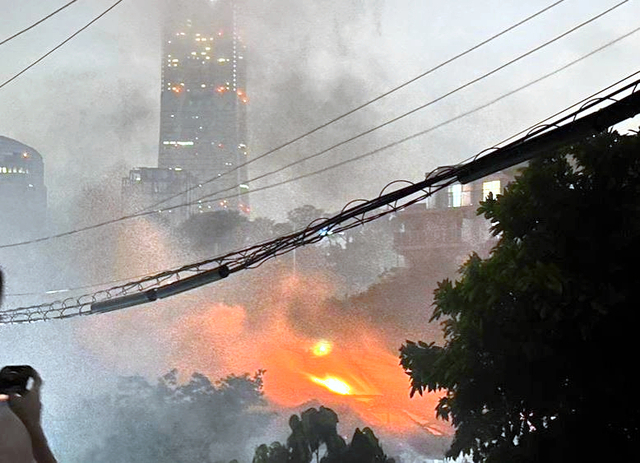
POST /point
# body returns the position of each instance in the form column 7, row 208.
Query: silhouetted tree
column 174, row 422
column 302, row 216
column 539, row 335
column 361, row 255
column 217, row 231
column 316, row 429
column 274, row 453
column 261, row 229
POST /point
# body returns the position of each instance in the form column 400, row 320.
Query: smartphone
column 14, row 379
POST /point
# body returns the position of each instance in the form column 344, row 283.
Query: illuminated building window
column 459, row 195
column 490, row 187
column 455, row 195
column 178, row 143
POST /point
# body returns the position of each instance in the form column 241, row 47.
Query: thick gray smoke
column 92, row 111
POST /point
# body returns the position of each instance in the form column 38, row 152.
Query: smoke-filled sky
column 92, row 107
column 92, row 110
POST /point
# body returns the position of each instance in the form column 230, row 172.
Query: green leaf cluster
column 537, row 363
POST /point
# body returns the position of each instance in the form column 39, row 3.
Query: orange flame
column 355, row 372
column 333, row 384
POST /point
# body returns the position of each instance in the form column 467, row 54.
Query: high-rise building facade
column 146, row 186
column 203, row 128
column 23, row 195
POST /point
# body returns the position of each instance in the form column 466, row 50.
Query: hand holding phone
column 15, row 378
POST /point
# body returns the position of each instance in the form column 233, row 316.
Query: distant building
column 438, row 235
column 203, row 126
column 23, row 195
column 147, row 186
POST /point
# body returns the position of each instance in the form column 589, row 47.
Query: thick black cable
column 60, row 45
column 516, row 152
column 437, row 175
column 37, row 23
column 363, row 105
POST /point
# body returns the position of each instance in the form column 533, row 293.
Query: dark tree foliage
column 216, row 231
column 315, row 432
column 173, row 422
column 540, row 337
column 359, row 256
column 301, row 217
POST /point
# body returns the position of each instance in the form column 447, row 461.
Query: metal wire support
column 622, row 104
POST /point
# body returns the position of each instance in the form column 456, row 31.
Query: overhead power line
column 582, row 103
column 37, row 23
column 204, row 199
column 431, row 102
column 171, row 282
column 60, row 45
column 363, row 105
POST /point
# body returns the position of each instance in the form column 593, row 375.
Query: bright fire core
column 333, row 384
column 322, row 348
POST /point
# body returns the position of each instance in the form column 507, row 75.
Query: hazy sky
column 92, row 108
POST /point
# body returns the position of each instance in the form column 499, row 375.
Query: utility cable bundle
column 593, row 117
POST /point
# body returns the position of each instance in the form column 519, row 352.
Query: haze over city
column 320, row 320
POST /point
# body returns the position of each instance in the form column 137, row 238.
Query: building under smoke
column 203, row 128
column 146, row 186
column 23, row 195
column 439, row 234
column 203, row 100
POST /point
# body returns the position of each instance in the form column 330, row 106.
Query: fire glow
column 321, row 348
column 333, row 384
column 346, row 365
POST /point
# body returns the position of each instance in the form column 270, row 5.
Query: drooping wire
column 204, row 199
column 438, row 99
column 363, row 105
column 60, row 45
column 348, row 218
column 37, row 23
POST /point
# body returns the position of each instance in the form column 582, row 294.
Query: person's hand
column 27, row 406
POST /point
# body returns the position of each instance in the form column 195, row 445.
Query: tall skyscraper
column 23, row 195
column 203, row 128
